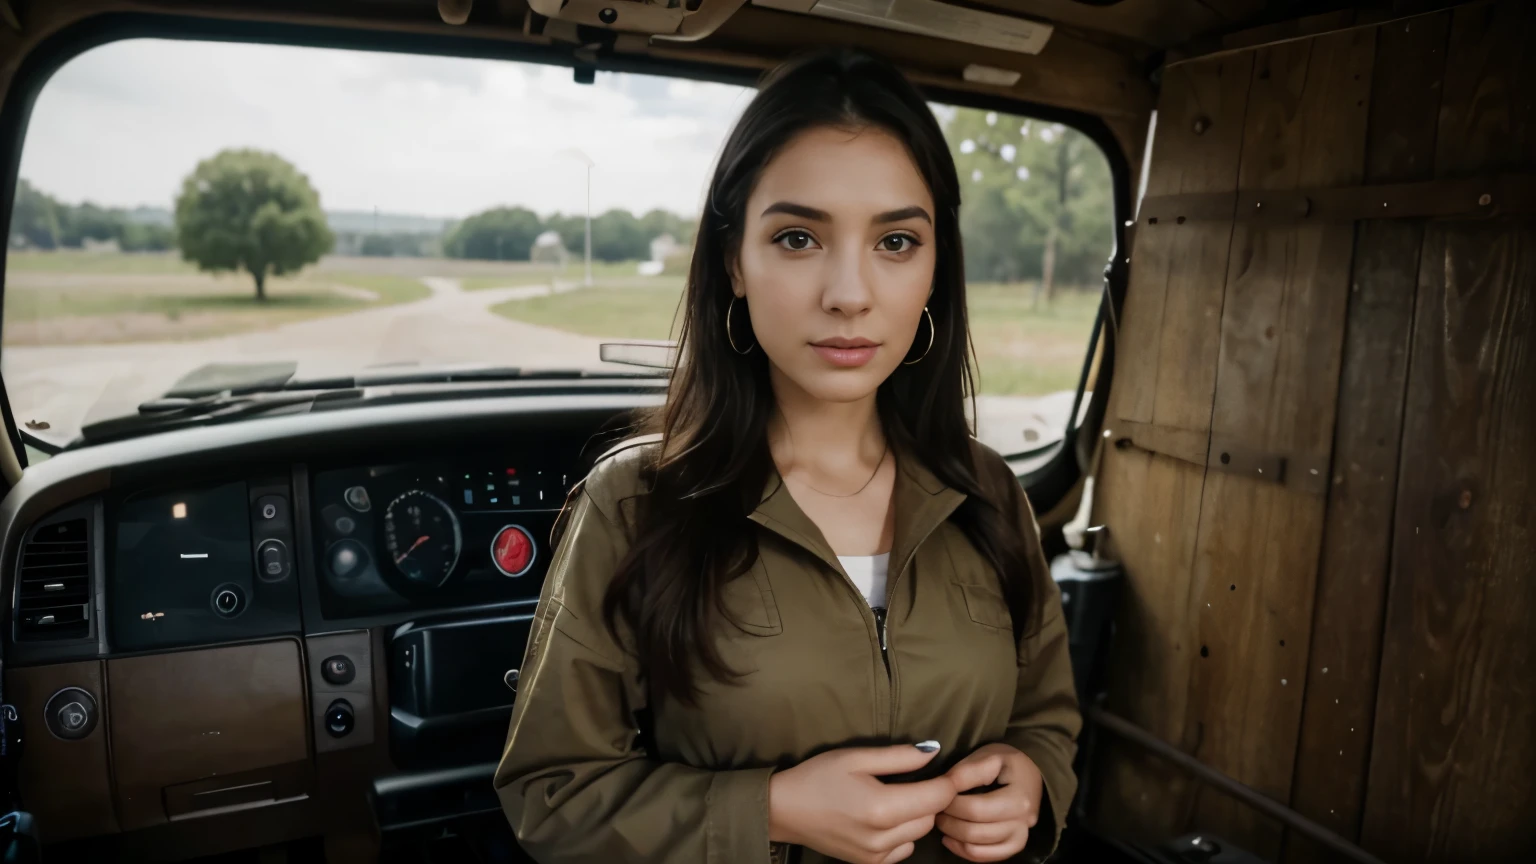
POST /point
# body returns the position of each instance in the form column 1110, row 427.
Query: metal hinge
column 1304, row 472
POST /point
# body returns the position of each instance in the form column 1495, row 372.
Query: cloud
column 124, row 123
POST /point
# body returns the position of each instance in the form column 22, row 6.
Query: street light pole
column 587, row 161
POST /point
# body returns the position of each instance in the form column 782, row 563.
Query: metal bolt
column 1485, row 200
column 1201, row 124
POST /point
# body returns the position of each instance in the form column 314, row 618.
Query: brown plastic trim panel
column 68, row 783
column 201, row 730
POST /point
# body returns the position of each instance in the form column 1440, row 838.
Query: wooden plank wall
column 1453, row 764
column 1345, row 654
column 1176, row 277
column 1358, row 647
column 1282, row 336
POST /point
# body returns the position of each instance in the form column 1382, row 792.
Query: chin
column 841, row 385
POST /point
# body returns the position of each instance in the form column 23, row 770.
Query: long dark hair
column 690, row 532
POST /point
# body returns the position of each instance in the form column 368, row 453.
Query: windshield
column 183, row 204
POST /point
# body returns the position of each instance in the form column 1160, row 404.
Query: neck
column 820, row 438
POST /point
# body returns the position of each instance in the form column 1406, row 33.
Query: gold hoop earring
column 728, row 337
column 931, row 331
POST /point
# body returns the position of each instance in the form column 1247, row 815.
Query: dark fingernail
column 927, row 746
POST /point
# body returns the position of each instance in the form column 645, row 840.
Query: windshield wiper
column 377, row 386
column 241, row 379
column 172, row 412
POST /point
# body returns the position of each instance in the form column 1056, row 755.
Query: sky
column 122, row 124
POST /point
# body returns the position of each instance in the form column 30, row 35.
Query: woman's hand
column 834, row 804
column 992, row 826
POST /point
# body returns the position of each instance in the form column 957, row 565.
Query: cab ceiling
column 1100, row 59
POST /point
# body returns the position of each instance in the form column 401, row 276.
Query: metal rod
column 1241, row 791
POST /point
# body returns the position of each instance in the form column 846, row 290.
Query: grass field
column 72, row 261
column 511, row 280
column 605, row 310
column 603, row 272
column 1021, row 351
column 58, row 298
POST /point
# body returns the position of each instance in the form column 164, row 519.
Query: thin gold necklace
column 878, row 465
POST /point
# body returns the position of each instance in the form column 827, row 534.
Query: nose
column 846, row 281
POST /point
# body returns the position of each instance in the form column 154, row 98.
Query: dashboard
column 443, row 533
column 288, row 626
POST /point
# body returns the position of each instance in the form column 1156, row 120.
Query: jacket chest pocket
column 973, row 577
column 750, row 603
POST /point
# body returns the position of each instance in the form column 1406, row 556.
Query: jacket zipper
column 881, row 621
column 880, row 627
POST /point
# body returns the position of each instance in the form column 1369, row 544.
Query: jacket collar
column 922, row 503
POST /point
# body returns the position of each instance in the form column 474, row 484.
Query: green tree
column 503, row 234
column 572, row 231
column 35, row 217
column 659, row 222
column 252, row 211
column 1037, row 198
column 144, row 237
column 618, row 236
column 89, row 222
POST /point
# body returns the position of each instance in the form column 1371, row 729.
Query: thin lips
column 845, row 343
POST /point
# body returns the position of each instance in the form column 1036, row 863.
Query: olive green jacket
column 578, row 787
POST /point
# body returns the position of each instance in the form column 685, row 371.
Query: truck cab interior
column 261, row 612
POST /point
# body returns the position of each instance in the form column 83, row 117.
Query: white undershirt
column 868, row 573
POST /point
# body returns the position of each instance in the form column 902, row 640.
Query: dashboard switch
column 338, row 718
column 272, row 510
column 71, row 714
column 228, row 600
column 513, row 551
column 272, row 560
column 338, row 670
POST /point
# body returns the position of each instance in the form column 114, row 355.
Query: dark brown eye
column 897, row 243
column 794, row 240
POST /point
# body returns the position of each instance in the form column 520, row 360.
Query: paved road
column 67, row 383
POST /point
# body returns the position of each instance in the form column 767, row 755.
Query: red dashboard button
column 513, row 551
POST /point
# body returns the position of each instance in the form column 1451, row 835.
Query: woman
column 810, row 619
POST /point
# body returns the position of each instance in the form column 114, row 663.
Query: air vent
column 54, row 598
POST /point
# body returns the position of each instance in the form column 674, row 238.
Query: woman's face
column 836, row 261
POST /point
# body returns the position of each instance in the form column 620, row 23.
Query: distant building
column 548, row 248
column 106, row 246
column 664, row 247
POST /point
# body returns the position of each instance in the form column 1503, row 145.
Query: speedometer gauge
column 422, row 537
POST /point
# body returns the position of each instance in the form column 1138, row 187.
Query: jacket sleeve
column 573, row 781
column 1045, row 721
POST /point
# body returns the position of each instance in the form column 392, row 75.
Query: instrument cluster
column 422, row 535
